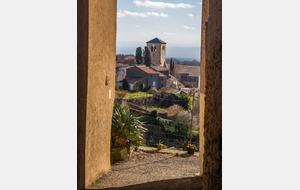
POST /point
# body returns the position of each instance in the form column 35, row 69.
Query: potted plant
column 159, row 145
column 126, row 131
column 191, row 149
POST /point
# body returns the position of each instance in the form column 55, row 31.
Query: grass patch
column 135, row 95
column 158, row 109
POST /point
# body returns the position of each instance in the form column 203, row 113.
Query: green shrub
column 186, row 103
column 185, row 100
column 126, row 129
column 165, row 147
column 153, row 114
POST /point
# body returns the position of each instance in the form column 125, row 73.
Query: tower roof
column 156, row 40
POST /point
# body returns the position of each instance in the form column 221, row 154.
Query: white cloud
column 191, row 15
column 200, row 3
column 153, row 4
column 120, row 14
column 157, row 14
column 151, row 32
column 144, row 15
column 168, row 33
column 188, row 27
column 137, row 26
column 135, row 14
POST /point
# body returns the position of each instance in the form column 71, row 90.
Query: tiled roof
column 129, row 57
column 147, row 70
column 172, row 78
column 134, row 79
column 159, row 68
column 190, row 69
column 162, row 75
column 121, row 65
column 156, row 40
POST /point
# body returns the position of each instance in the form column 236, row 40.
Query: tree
column 125, row 84
column 171, row 65
column 147, row 57
column 138, row 56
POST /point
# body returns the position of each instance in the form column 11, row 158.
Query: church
column 157, row 49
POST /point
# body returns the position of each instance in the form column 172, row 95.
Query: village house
column 120, row 74
column 188, row 75
column 160, row 69
column 145, row 76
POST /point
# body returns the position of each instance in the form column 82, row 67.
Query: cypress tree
column 138, row 56
column 147, row 57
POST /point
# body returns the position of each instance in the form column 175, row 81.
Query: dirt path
column 148, row 167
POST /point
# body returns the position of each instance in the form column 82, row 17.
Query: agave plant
column 126, row 124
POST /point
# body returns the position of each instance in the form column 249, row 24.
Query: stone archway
column 96, row 47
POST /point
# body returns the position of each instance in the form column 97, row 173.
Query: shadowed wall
column 96, row 49
column 211, row 95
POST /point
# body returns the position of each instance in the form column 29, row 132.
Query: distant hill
column 180, row 53
column 183, row 59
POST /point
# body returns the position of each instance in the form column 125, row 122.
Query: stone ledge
column 165, row 151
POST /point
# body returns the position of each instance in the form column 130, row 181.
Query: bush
column 153, row 90
column 185, row 100
column 126, row 129
column 153, row 114
column 121, row 93
column 174, row 111
column 125, row 84
column 186, row 104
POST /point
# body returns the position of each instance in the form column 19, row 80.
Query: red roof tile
column 159, row 68
column 162, row 75
column 134, row 79
column 147, row 70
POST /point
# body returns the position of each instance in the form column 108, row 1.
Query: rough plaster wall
column 211, row 95
column 96, row 61
column 102, row 50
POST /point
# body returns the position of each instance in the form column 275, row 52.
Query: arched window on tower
column 153, row 47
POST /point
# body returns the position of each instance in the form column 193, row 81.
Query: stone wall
column 96, row 49
column 163, row 54
column 159, row 55
column 211, row 95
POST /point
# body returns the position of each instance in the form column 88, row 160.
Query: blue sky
column 177, row 22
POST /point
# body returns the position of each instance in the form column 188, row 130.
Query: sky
column 177, row 22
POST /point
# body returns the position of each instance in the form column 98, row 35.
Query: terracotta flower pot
column 159, row 147
column 191, row 151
